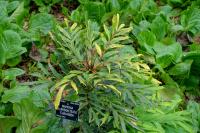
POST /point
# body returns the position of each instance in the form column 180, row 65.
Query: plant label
column 68, row 110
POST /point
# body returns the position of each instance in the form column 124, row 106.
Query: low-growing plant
column 106, row 76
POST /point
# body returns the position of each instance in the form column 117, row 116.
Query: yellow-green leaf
column 66, row 22
column 73, row 26
column 98, row 50
column 116, row 79
column 74, row 86
column 145, row 66
column 121, row 26
column 115, row 21
column 114, row 89
column 59, row 96
column 136, row 66
column 108, row 67
column 155, row 81
column 118, row 39
column 58, row 84
column 82, row 81
column 107, row 31
column 115, row 46
column 105, row 118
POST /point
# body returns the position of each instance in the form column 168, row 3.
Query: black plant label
column 68, row 110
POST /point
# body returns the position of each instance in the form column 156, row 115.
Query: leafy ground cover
column 133, row 65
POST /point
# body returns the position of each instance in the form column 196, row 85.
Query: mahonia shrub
column 107, row 77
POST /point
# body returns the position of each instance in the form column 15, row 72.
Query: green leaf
column 192, row 55
column 95, row 10
column 114, row 5
column 29, row 115
column 18, row 13
column 12, row 6
column 190, row 19
column 16, row 94
column 7, row 123
column 39, row 2
column 3, row 9
column 192, row 82
column 11, row 44
column 14, row 61
column 159, row 27
column 40, row 94
column 123, row 125
column 105, row 118
column 165, row 57
column 127, row 50
column 182, row 68
column 146, row 40
column 12, row 73
column 77, row 16
column 146, row 37
column 176, row 1
column 3, row 52
column 41, row 22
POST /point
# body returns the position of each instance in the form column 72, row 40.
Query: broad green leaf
column 15, row 95
column 29, row 115
column 14, row 61
column 7, row 123
column 134, row 5
column 3, row 9
column 190, row 19
column 18, row 13
column 159, row 27
column 146, row 37
column 192, row 82
column 182, row 68
column 41, row 22
column 192, row 55
column 40, row 94
column 12, row 6
column 77, row 16
column 146, row 40
column 114, row 5
column 12, row 44
column 12, row 73
column 171, row 55
column 95, row 10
